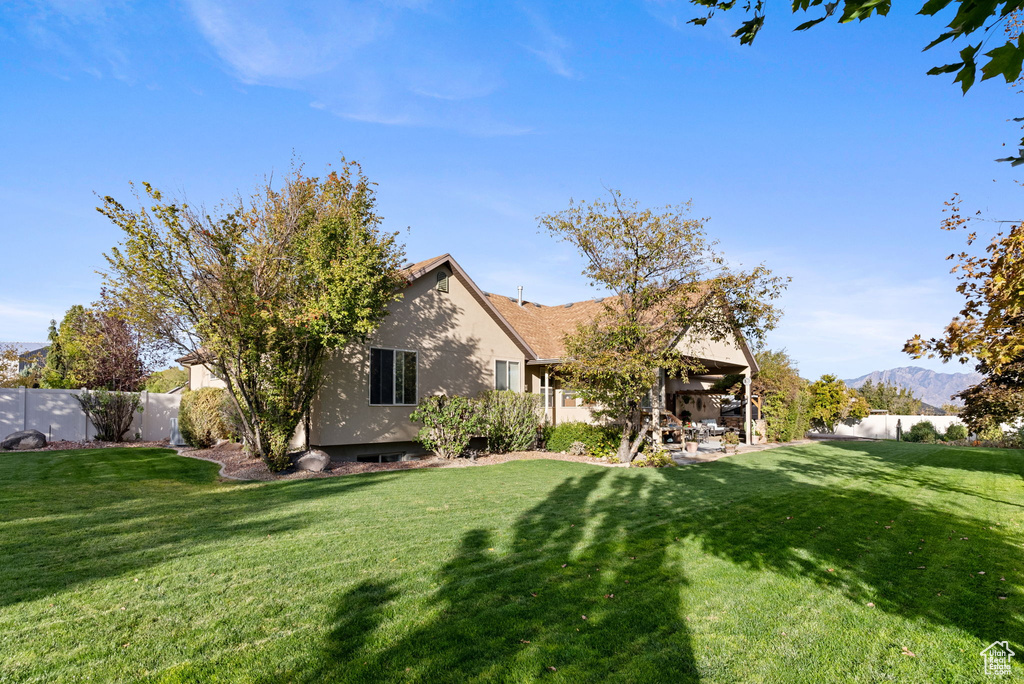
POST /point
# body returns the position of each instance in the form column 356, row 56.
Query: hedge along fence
column 57, row 414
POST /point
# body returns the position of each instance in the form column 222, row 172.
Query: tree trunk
column 624, row 445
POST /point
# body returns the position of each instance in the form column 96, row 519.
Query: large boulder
column 313, row 460
column 25, row 439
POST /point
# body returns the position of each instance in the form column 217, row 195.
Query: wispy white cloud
column 20, row 322
column 357, row 61
column 552, row 47
column 76, row 36
column 851, row 326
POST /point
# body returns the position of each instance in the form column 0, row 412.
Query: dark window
column 392, row 377
column 506, row 375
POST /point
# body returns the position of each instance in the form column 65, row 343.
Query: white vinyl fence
column 884, row 427
column 57, row 414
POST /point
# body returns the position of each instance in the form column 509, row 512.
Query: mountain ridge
column 929, row 386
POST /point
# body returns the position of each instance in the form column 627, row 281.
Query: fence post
column 145, row 412
column 86, row 418
column 24, row 408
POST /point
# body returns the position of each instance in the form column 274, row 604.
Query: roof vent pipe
column 520, row 295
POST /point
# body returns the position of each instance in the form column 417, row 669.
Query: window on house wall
column 571, row 400
column 547, row 390
column 506, row 376
column 392, row 377
column 442, row 281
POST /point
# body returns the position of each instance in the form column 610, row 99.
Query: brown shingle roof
column 544, row 327
column 413, row 271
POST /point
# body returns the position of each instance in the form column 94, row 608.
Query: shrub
column 990, row 433
column 510, row 420
column 448, row 424
column 110, row 412
column 231, row 418
column 956, row 433
column 730, row 439
column 599, row 440
column 658, row 459
column 200, row 417
column 578, row 449
column 921, row 432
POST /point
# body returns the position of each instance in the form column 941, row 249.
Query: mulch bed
column 236, row 465
column 67, row 445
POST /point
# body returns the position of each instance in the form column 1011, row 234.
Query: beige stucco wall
column 556, row 413
column 457, row 343
column 727, row 351
column 202, row 376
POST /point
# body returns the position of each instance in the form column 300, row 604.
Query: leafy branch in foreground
column 972, row 17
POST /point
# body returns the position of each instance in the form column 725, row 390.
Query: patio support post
column 657, row 405
column 547, row 391
column 748, row 427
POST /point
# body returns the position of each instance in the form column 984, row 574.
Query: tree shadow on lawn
column 972, row 459
column 574, row 594
column 55, row 535
column 607, row 545
column 904, row 471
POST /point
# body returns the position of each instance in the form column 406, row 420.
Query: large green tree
column 975, row 21
column 667, row 280
column 262, row 290
column 94, row 348
column 833, row 402
column 890, row 397
column 784, row 395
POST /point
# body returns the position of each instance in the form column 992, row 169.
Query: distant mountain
column 927, row 385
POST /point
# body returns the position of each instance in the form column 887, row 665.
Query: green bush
column 658, row 459
column 510, row 420
column 448, row 424
column 110, row 412
column 599, row 440
column 200, row 417
column 921, row 432
column 956, row 433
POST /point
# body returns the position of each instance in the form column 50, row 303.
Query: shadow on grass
column 583, row 602
column 604, row 545
column 69, row 518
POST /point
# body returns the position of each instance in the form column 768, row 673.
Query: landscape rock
column 313, row 460
column 25, row 439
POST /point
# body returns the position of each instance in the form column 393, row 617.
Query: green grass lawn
column 138, row 565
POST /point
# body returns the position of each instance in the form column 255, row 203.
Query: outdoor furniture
column 713, row 428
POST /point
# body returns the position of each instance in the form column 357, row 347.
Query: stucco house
column 448, row 336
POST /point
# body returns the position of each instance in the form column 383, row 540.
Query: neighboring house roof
column 25, row 347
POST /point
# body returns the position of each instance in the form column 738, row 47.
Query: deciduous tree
column 784, row 395
column 890, row 397
column 263, row 289
column 94, row 348
column 833, row 402
column 667, row 280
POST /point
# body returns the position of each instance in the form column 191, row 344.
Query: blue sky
column 826, row 154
